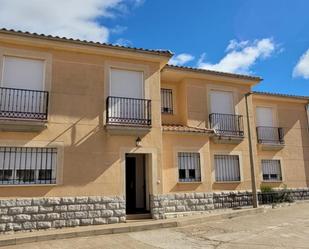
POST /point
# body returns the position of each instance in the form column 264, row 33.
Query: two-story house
column 91, row 133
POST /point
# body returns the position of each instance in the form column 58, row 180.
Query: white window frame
column 189, row 150
column 39, row 144
column 186, row 169
column 126, row 69
column 32, row 55
column 172, row 102
column 227, row 153
column 281, row 167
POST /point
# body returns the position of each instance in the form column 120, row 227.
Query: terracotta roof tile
column 282, row 95
column 85, row 42
column 185, row 129
column 200, row 70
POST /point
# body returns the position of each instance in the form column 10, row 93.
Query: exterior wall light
column 138, row 142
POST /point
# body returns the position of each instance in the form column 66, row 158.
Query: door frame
column 152, row 182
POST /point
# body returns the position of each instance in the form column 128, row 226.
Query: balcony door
column 22, row 86
column 128, row 89
column 265, row 124
column 264, row 117
column 221, row 102
column 222, row 111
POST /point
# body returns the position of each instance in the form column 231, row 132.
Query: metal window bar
column 227, row 168
column 270, row 135
column 128, row 111
column 271, row 170
column 189, row 167
column 227, row 124
column 166, row 101
column 28, row 165
column 23, row 104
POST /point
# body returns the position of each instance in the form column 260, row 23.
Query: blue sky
column 268, row 38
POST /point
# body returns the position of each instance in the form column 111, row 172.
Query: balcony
column 270, row 138
column 128, row 113
column 19, row 106
column 228, row 127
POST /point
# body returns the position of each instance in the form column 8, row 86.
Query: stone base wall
column 161, row 205
column 176, row 204
column 24, row 214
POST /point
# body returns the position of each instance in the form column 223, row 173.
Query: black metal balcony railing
column 270, row 135
column 23, row 104
column 227, row 124
column 128, row 111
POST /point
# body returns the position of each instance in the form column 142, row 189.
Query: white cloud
column 181, row 59
column 123, row 42
column 69, row 18
column 241, row 56
column 302, row 67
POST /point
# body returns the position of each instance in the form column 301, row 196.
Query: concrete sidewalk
column 65, row 233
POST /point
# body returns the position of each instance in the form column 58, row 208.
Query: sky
column 267, row 38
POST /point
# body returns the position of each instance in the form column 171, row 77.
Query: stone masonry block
column 72, row 223
column 99, row 221
column 81, row 199
column 8, row 203
column 81, row 214
column 29, row 225
column 86, row 222
column 22, row 217
column 95, row 213
column 44, row 225
column 53, row 201
column 15, row 210
column 31, row 209
column 73, row 207
column 52, row 216
column 6, row 218
column 58, row 223
column 68, row 200
column 38, row 217
column 112, row 220
column 106, row 213
column 23, row 202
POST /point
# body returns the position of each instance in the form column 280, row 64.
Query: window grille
column 271, row 170
column 227, row 168
column 27, row 165
column 189, row 167
column 166, row 101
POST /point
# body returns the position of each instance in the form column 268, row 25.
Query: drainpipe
column 307, row 110
column 253, row 183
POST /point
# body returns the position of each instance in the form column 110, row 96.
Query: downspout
column 253, row 182
column 307, row 110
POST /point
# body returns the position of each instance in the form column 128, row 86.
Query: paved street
column 286, row 227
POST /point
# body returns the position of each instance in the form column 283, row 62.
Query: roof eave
column 66, row 43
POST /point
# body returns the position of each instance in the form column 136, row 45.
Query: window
column 227, row 168
column 271, row 170
column 23, row 73
column 27, row 165
column 166, row 101
column 189, row 167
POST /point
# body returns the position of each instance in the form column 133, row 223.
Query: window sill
column 28, row 185
column 272, row 181
column 197, row 182
column 228, row 182
column 166, row 113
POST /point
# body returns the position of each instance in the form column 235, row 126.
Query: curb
column 66, row 233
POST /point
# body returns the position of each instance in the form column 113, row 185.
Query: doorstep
column 87, row 231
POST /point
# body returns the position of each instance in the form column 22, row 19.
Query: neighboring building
column 92, row 132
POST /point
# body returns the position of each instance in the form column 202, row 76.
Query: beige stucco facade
column 92, row 158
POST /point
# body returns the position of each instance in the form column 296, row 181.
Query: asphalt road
column 285, row 227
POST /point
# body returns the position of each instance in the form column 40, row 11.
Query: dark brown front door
column 130, row 184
